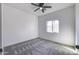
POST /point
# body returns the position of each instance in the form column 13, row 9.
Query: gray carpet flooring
column 0, row 53
column 38, row 47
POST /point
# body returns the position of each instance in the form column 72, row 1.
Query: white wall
column 77, row 23
column 66, row 19
column 0, row 28
column 18, row 26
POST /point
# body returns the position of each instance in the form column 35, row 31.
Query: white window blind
column 53, row 26
column 49, row 26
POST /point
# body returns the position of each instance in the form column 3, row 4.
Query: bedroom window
column 49, row 26
column 53, row 26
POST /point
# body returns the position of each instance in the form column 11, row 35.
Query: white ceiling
column 28, row 8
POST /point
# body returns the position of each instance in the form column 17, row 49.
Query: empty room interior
column 39, row 28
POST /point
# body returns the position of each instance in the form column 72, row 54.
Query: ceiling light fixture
column 41, row 6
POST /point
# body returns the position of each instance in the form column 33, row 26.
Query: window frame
column 53, row 28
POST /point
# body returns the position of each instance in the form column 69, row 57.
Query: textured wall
column 66, row 19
